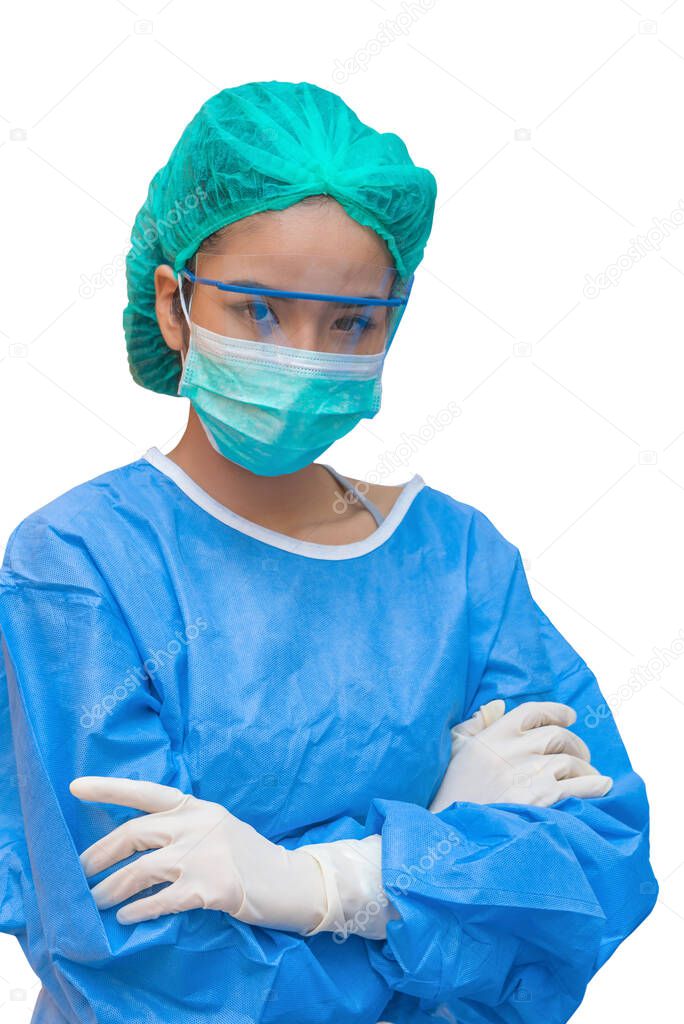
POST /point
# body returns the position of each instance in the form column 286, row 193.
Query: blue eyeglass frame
column 351, row 300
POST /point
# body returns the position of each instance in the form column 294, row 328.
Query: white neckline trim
column 306, row 548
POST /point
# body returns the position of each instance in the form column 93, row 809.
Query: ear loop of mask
column 186, row 314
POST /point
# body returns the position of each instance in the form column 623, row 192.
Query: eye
column 260, row 311
column 356, row 324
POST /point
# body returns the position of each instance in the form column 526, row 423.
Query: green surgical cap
column 264, row 146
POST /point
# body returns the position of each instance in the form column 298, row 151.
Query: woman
column 267, row 660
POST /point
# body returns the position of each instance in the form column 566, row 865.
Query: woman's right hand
column 527, row 756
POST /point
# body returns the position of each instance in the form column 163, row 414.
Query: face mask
column 274, row 409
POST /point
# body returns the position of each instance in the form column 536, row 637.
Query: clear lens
column 309, row 302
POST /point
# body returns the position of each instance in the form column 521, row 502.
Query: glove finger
column 586, row 787
column 458, row 738
column 485, row 716
column 491, row 712
column 171, row 900
column 533, row 714
column 554, row 739
column 143, row 796
column 565, row 766
column 468, row 728
column 149, row 870
column 147, row 832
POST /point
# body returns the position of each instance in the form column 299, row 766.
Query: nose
column 307, row 326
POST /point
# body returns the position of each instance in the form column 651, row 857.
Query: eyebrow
column 259, row 284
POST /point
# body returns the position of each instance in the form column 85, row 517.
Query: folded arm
column 507, row 911
column 67, row 651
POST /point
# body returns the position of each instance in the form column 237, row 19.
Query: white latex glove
column 485, row 715
column 218, row 862
column 527, row 756
column 213, row 860
column 357, row 902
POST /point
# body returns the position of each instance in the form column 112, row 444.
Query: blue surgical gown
column 148, row 632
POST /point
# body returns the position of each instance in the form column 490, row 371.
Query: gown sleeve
column 77, row 703
column 505, row 911
column 80, row 704
column 14, row 866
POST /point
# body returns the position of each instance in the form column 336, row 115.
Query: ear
column 172, row 326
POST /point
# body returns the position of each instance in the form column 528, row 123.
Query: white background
column 554, row 130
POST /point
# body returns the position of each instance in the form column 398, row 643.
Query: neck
column 280, row 502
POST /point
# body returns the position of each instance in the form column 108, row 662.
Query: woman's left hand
column 211, row 858
column 527, row 756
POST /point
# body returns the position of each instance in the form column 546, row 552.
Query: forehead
column 320, row 228
column 296, row 272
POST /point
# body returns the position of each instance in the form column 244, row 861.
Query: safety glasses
column 298, row 301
